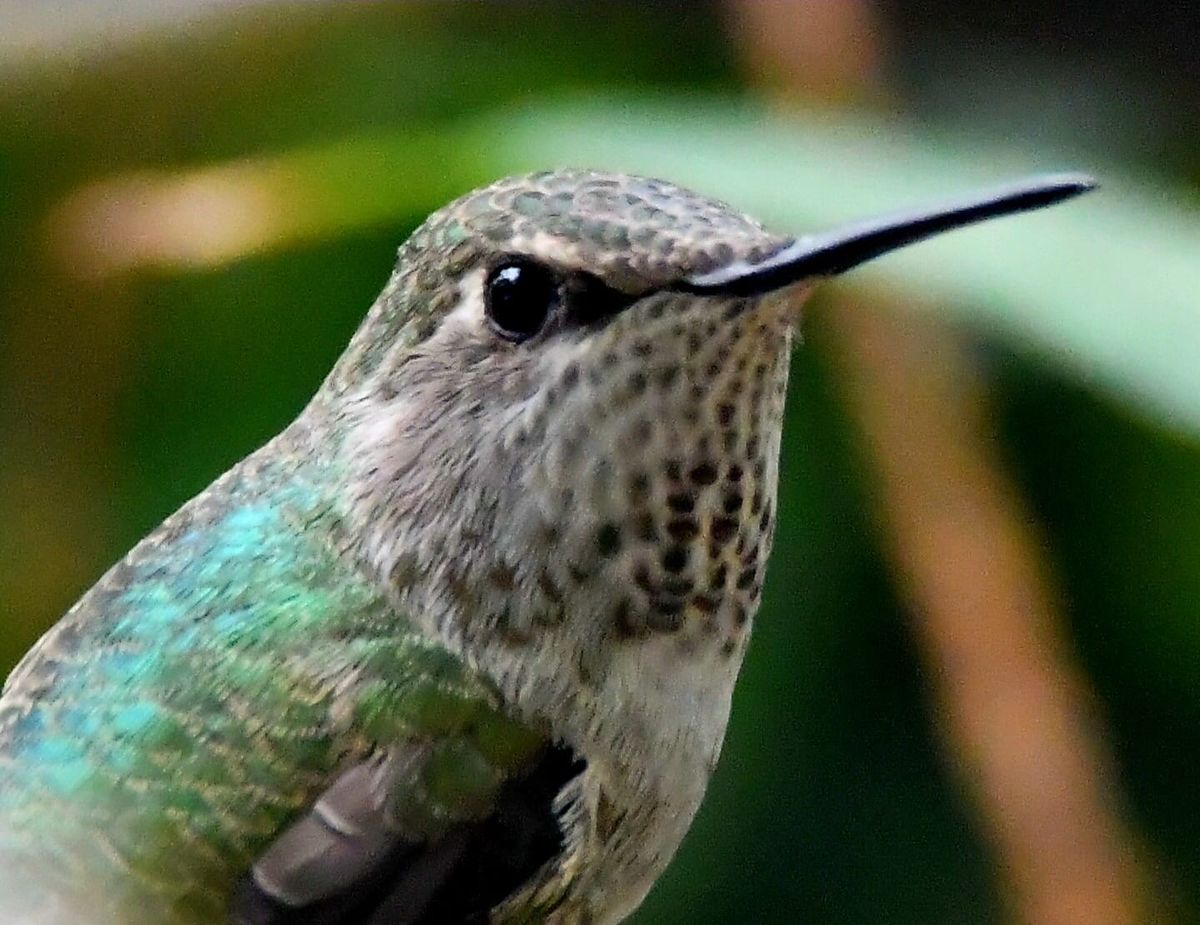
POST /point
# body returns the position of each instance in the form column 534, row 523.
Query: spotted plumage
column 459, row 644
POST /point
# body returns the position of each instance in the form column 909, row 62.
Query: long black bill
column 833, row 252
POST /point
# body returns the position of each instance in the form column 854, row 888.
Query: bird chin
column 784, row 304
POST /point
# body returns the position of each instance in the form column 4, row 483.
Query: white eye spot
column 468, row 313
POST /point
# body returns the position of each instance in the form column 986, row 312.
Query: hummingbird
column 459, row 644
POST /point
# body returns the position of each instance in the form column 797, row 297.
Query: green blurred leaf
column 1105, row 287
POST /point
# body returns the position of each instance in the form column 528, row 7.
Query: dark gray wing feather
column 346, row 861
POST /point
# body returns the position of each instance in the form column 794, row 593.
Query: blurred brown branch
column 1016, row 710
column 1018, row 715
column 823, row 51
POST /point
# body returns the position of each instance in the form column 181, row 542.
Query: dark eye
column 520, row 296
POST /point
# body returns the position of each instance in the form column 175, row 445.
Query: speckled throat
column 602, row 554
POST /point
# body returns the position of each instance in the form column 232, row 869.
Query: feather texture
column 206, row 693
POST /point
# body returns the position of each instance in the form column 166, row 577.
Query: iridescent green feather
column 207, row 690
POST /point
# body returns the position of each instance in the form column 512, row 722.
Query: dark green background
column 120, row 397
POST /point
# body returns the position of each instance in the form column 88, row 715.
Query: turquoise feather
column 203, row 694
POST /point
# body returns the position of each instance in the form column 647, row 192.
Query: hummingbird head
column 562, row 417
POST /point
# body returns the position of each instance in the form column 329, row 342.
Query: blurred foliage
column 121, row 396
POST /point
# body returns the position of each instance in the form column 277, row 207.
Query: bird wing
column 441, row 825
